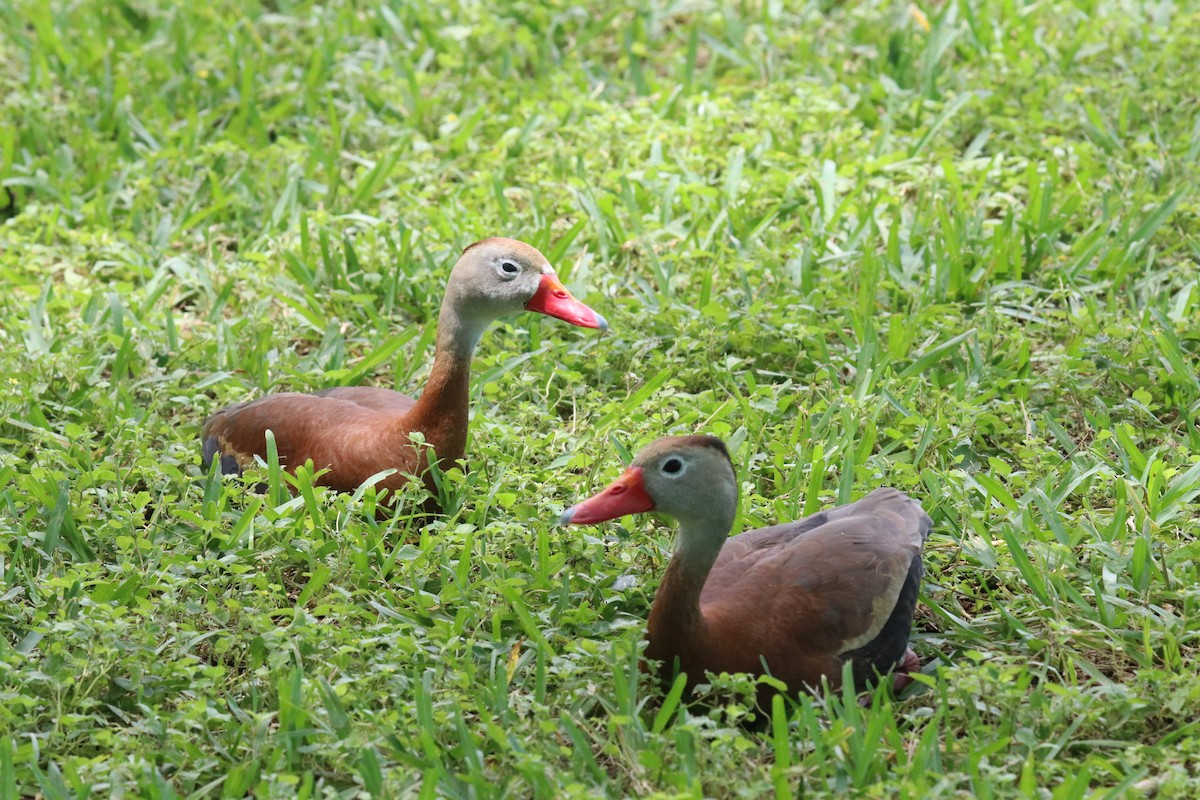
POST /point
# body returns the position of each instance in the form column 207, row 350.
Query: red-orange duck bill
column 626, row 495
column 553, row 300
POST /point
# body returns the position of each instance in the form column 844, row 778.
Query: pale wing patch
column 244, row 460
column 881, row 608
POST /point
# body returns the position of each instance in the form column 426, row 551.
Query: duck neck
column 697, row 545
column 441, row 413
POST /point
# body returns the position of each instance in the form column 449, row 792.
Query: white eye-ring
column 508, row 270
column 672, row 466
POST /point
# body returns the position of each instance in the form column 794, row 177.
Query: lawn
column 950, row 248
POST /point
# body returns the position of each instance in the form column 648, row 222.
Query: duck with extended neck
column 798, row 600
column 354, row 432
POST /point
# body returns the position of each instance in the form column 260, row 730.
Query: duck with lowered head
column 797, row 600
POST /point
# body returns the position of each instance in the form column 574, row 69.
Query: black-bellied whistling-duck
column 803, row 597
column 357, row 431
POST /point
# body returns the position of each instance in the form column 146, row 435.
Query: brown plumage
column 804, row 597
column 358, row 431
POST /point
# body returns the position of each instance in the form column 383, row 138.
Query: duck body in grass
column 798, row 600
column 355, row 432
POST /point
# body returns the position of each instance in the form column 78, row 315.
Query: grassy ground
column 950, row 249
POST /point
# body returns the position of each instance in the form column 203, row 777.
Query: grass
column 950, row 248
